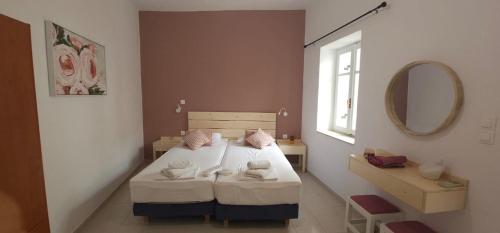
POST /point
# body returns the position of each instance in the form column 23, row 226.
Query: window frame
column 353, row 48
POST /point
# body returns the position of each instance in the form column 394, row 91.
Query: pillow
column 216, row 138
column 207, row 132
column 196, row 139
column 248, row 133
column 241, row 140
column 260, row 139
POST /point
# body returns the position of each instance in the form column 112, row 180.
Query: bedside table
column 294, row 148
column 164, row 144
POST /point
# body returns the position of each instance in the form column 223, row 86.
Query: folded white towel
column 259, row 164
column 180, row 174
column 191, row 174
column 179, row 164
column 258, row 174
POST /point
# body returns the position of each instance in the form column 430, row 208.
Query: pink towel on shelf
column 386, row 161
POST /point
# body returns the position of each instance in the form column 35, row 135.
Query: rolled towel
column 259, row 164
column 179, row 164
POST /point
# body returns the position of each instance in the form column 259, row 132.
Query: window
column 345, row 89
column 338, row 87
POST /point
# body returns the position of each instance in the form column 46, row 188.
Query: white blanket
column 232, row 190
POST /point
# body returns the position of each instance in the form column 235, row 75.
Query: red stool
column 374, row 209
column 405, row 227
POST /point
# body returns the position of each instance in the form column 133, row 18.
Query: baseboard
column 125, row 177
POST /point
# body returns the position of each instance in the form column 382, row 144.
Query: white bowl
column 431, row 171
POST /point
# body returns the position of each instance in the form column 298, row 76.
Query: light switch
column 183, row 133
column 488, row 122
column 488, row 129
column 486, row 137
column 183, row 101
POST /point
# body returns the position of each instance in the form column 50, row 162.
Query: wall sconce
column 283, row 111
column 179, row 108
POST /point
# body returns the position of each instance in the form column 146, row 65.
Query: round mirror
column 424, row 97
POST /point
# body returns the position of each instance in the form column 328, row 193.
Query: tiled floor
column 320, row 211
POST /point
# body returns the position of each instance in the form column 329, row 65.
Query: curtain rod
column 376, row 9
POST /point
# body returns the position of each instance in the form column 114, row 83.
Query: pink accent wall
column 241, row 61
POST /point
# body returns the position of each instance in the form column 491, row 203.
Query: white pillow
column 240, row 140
column 216, row 138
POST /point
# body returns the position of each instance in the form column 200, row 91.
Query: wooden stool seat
column 406, row 227
column 375, row 204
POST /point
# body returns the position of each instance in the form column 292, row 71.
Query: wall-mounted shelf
column 410, row 187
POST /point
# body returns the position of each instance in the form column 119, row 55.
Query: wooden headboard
column 232, row 124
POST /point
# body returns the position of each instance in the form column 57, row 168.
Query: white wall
column 463, row 34
column 430, row 97
column 89, row 143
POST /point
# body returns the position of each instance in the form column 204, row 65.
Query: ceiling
column 217, row 5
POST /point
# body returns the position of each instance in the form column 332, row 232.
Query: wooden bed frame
column 232, row 124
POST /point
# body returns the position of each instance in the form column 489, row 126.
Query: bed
column 224, row 197
column 154, row 195
column 256, row 200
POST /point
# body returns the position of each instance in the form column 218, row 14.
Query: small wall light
column 283, row 111
column 179, row 108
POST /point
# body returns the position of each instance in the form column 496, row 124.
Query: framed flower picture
column 76, row 65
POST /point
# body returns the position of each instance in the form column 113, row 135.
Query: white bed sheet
column 149, row 186
column 230, row 190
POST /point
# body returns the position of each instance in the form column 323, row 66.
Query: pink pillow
column 207, row 132
column 260, row 139
column 196, row 139
column 248, row 133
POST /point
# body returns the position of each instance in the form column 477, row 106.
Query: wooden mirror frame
column 457, row 103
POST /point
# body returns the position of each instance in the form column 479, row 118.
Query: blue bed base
column 252, row 212
column 221, row 212
column 160, row 210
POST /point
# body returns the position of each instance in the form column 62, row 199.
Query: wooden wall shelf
column 410, row 187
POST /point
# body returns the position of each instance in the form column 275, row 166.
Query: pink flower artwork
column 76, row 64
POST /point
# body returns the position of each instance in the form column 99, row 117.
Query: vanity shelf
column 407, row 185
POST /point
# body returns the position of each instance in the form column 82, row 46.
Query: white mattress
column 149, row 186
column 231, row 191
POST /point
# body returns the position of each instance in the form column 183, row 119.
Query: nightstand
column 295, row 148
column 164, row 144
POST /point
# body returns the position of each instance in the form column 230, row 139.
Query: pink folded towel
column 386, row 161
